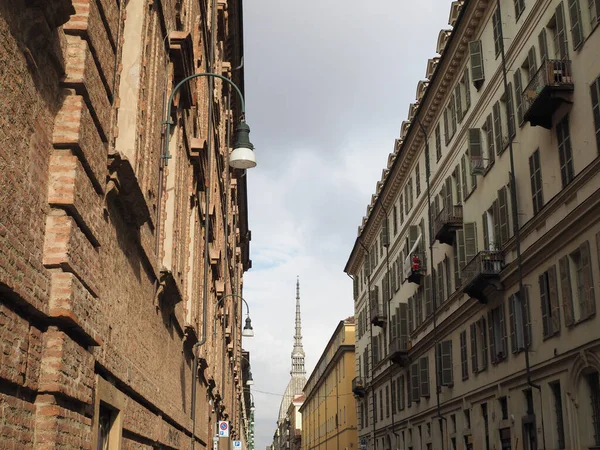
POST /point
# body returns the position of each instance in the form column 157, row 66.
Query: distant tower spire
column 298, row 351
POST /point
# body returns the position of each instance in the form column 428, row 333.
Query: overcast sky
column 328, row 83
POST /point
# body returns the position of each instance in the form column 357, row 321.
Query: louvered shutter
column 491, row 153
column 470, row 233
column 457, row 97
column 414, row 382
column 456, row 263
column 503, row 212
column 447, row 276
column 473, row 176
column 403, row 324
column 401, row 209
column 446, row 129
column 385, row 290
column 527, row 317
column 498, row 139
column 545, row 301
column 576, row 28
column 595, row 94
column 376, row 349
column 418, row 308
column 474, row 366
column 448, row 200
column 400, row 269
column 411, row 325
column 464, row 366
column 513, row 326
column 531, row 62
column 475, row 147
column 467, row 90
column 413, row 235
column 462, row 256
column 424, row 376
column 447, row 373
column 519, row 95
column 486, row 234
column 560, row 37
column 456, row 177
column 504, row 342
column 497, row 235
column 428, row 304
column 493, row 350
column 385, row 232
column 476, row 56
column 565, row 284
column 543, row 44
column 588, row 282
column 484, row 344
column 510, row 112
column 554, row 301
column 463, row 178
column 440, row 296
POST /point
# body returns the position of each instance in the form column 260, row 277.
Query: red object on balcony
column 415, row 263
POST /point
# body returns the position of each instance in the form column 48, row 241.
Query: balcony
column 415, row 266
column 378, row 315
column 447, row 222
column 550, row 87
column 482, row 271
column 359, row 387
column 399, row 347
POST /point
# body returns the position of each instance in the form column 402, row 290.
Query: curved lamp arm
column 236, row 296
column 169, row 122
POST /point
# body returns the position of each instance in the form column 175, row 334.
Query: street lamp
column 247, row 331
column 242, row 156
column 249, row 381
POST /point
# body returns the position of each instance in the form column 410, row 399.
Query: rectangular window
column 510, row 112
column 414, row 382
column 445, row 373
column 474, row 149
column 519, row 8
column 498, row 337
column 400, row 392
column 577, row 285
column 535, row 173
column 476, row 57
column 479, row 352
column 595, row 91
column 497, row 26
column 520, row 321
column 424, row 376
column 519, row 95
column 463, row 355
column 558, row 414
column 594, row 12
column 549, row 302
column 563, row 136
column 438, row 143
column 543, row 43
column 393, row 396
column 387, row 402
column 498, row 137
column 576, row 24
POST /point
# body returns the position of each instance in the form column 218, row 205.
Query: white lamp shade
column 242, row 158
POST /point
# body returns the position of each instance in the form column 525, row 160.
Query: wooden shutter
column 484, row 344
column 464, row 366
column 418, row 302
column 448, row 203
column 486, row 233
column 543, row 44
column 414, row 382
column 457, row 97
column 456, row 176
column 403, row 324
column 440, row 295
column 467, row 90
column 411, row 325
column 519, row 95
column 512, row 323
column 560, row 37
column 400, row 269
column 510, row 112
column 476, row 56
column 445, row 353
column 475, row 145
column 385, row 232
column 413, row 235
column 497, row 30
column 565, row 284
column 588, row 282
column 428, row 304
column 503, row 212
column 463, row 178
column 504, row 342
column 531, row 62
column 438, row 143
column 470, row 233
column 385, row 290
column 498, row 140
column 447, row 276
column 526, row 317
column 446, row 129
column 544, row 300
column 424, row 376
column 474, row 366
column 576, row 28
column 462, row 256
column 456, row 263
column 554, row 301
column 496, row 215
column 473, row 176
column 401, row 209
column 493, row 350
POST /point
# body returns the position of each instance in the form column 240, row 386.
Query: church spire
column 298, row 351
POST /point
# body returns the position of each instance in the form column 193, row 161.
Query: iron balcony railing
column 551, row 73
column 378, row 313
column 448, row 217
column 487, row 263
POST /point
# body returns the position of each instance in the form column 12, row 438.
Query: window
column 535, row 173
column 519, row 8
column 520, row 321
column 408, row 194
column 549, row 302
column 395, row 220
column 503, row 407
column 108, row 404
column 530, row 64
column 387, row 402
column 464, row 366
column 563, row 135
column 440, row 294
column 486, row 425
column 543, row 42
column 424, row 376
column 491, row 228
column 558, row 414
column 594, row 12
column 444, row 354
column 400, row 392
column 393, row 396
column 478, row 346
column 576, row 24
column 374, row 407
column 498, row 339
column 467, row 413
column 595, row 90
column 380, row 404
column 593, row 381
column 418, row 180
column 558, row 35
column 498, row 136
column 401, row 207
column 458, row 99
column 414, row 382
column 467, row 90
column 577, row 285
column 446, row 127
column 438, row 143
column 476, row 57
column 475, row 153
column 510, row 111
column 497, row 25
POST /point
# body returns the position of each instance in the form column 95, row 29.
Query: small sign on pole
column 237, row 445
column 223, row 428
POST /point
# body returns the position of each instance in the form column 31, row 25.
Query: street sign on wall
column 223, row 428
column 237, row 445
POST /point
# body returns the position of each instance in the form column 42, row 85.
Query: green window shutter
column 456, row 263
column 512, row 305
column 503, row 213
column 543, row 44
column 413, row 235
column 459, row 197
column 447, row 276
column 355, row 287
column 497, row 29
column 489, row 125
column 467, row 90
column 376, row 349
column 510, row 112
column 565, row 284
column 486, row 233
column 418, row 302
column 498, row 139
column 484, row 344
column 474, row 364
column 403, row 324
column 446, row 129
column 560, row 36
column 462, row 255
column 475, row 147
column 595, row 94
column 445, row 352
column 519, row 95
column 411, row 325
column 385, row 232
column 424, row 376
column 428, row 304
column 463, row 177
column 576, row 28
column 401, row 209
column 470, row 233
column 448, row 191
column 544, row 301
column 400, row 270
column 458, row 100
column 588, row 282
column 493, row 343
column 440, row 294
column 464, row 365
column 476, row 56
column 527, row 318
column 438, row 143
column 504, row 342
column 414, row 381
column 554, row 301
column 497, row 234
column 531, row 62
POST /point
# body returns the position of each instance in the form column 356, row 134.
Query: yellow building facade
column 329, row 410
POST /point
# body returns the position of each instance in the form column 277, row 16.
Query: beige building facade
column 329, row 409
column 476, row 311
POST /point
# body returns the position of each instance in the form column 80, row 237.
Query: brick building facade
column 113, row 258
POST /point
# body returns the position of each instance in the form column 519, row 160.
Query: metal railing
column 399, row 345
column 358, row 383
column 450, row 216
column 378, row 311
column 486, row 263
column 477, row 165
column 551, row 73
column 410, row 264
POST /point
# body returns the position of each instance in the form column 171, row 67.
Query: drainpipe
column 438, row 387
column 517, row 231
column 371, row 338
